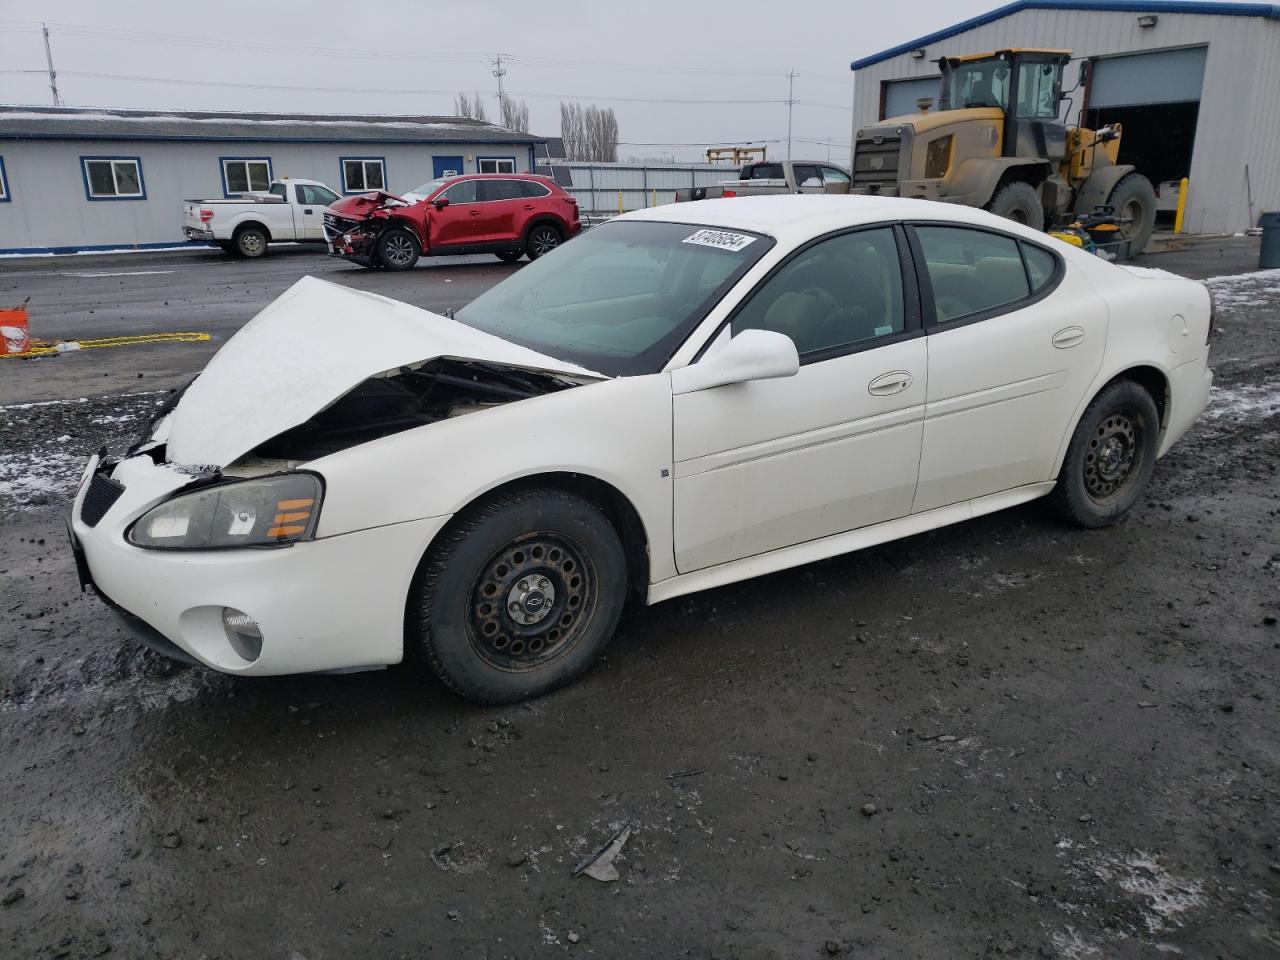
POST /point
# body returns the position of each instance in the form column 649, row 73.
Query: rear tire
column 518, row 595
column 542, row 239
column 397, row 249
column 1019, row 202
column 1110, row 458
column 1134, row 200
column 250, row 242
column 509, row 256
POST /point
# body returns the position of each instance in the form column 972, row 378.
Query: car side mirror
column 440, row 202
column 751, row 355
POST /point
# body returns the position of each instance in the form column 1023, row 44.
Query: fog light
column 243, row 632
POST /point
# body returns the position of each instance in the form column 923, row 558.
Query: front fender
column 615, row 431
column 976, row 179
column 1093, row 192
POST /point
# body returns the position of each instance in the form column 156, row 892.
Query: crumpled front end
column 352, row 225
column 209, row 536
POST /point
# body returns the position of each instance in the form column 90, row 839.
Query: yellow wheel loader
column 996, row 142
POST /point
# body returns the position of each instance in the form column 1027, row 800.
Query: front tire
column 542, row 239
column 250, row 242
column 398, row 249
column 1134, row 201
column 1110, row 458
column 519, row 595
column 1019, row 202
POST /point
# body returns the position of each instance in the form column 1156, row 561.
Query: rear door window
column 971, row 271
column 532, row 188
column 491, row 190
column 1041, row 266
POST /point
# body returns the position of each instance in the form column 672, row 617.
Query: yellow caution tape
column 44, row 348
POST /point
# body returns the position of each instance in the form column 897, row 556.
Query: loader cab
column 1025, row 85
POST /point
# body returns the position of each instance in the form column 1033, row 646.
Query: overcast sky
column 412, row 57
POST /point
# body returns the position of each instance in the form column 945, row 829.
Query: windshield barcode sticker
column 721, row 239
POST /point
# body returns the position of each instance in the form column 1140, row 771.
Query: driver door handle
column 887, row 384
column 475, row 213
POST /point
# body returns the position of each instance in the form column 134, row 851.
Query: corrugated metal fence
column 601, row 188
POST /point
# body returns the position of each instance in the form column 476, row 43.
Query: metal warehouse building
column 95, row 179
column 1196, row 86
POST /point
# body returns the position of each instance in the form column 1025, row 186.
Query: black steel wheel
column 532, row 601
column 1110, row 457
column 518, row 595
column 397, row 249
column 543, row 238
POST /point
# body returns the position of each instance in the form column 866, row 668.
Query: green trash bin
column 1269, row 257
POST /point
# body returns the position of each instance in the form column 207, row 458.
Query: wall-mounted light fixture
column 1146, row 20
column 918, row 54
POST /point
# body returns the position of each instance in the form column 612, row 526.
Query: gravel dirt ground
column 1005, row 738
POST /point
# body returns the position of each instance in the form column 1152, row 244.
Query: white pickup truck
column 291, row 210
column 802, row 176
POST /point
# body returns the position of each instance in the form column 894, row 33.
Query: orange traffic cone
column 15, row 334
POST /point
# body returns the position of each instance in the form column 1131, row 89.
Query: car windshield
column 620, row 298
column 428, row 188
column 981, row 83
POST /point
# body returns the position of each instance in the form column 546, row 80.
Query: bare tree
column 470, row 107
column 515, row 115
column 589, row 133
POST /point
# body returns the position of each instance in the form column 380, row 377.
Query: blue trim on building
column 1264, row 10
column 342, row 174
column 108, row 247
column 265, row 138
column 84, row 176
column 222, row 168
column 4, row 182
column 480, row 159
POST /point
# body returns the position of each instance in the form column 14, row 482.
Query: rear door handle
column 1068, row 337
column 475, row 213
column 887, row 384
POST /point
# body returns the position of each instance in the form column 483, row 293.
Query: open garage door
column 1156, row 97
column 898, row 97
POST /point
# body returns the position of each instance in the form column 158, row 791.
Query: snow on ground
column 1260, row 288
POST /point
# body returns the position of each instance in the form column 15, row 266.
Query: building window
column 4, row 183
column 113, row 178
column 495, row 165
column 245, row 175
column 361, row 174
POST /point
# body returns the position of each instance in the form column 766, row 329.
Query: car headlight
column 272, row 511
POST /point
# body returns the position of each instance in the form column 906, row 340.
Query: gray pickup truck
column 784, row 176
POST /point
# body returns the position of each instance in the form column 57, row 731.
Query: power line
column 188, row 81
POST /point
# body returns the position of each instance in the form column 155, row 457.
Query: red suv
column 509, row 214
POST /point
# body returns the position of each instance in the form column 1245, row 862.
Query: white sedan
column 681, row 398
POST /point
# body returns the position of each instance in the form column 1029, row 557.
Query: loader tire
column 1019, row 202
column 1134, row 201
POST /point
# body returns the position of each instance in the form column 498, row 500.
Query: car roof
column 794, row 217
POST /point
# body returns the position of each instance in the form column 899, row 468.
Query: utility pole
column 499, row 71
column 791, row 88
column 53, row 74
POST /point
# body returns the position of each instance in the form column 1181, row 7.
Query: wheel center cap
column 531, row 599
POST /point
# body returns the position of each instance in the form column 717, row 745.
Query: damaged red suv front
column 510, row 215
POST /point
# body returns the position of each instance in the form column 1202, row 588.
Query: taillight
column 206, row 215
column 1213, row 316
column 729, row 193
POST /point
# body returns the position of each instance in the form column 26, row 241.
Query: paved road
column 203, row 291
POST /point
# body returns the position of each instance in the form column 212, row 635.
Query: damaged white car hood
column 308, row 348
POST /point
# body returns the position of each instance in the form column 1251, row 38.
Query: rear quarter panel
column 1157, row 320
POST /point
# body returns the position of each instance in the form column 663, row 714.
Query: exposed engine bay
column 408, row 397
